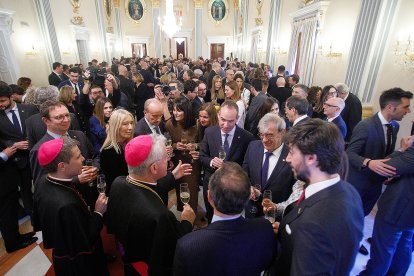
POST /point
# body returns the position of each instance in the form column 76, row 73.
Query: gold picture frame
column 218, row 10
column 108, row 5
column 135, row 10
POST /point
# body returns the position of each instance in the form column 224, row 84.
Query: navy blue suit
column 340, row 123
column 281, row 179
column 351, row 114
column 394, row 223
column 233, row 247
column 210, row 147
column 321, row 236
column 368, row 141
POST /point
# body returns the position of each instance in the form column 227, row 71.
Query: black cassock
column 147, row 230
column 69, row 228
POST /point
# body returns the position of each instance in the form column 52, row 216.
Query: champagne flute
column 267, row 201
column 184, row 141
column 89, row 164
column 101, row 184
column 168, row 142
column 222, row 153
column 194, row 147
column 256, row 194
column 184, row 193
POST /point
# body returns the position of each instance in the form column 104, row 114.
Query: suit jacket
column 309, row 233
column 396, row 205
column 232, row 247
column 54, row 79
column 211, row 143
column 142, row 128
column 281, row 179
column 351, row 114
column 10, row 135
column 210, row 79
column 368, row 141
column 253, row 110
column 339, row 122
column 195, row 105
column 36, row 128
column 85, row 147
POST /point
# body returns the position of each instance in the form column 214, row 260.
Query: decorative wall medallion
column 135, row 9
column 218, row 10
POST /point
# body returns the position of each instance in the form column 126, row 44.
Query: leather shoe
column 363, row 250
column 27, row 235
column 110, row 258
column 23, row 242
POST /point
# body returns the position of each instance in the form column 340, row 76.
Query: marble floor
column 35, row 260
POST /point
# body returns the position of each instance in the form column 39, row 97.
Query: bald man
column 332, row 108
column 152, row 122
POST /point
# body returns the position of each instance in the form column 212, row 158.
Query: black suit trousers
column 9, row 226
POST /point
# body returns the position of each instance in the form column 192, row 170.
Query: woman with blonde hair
column 232, row 91
column 120, row 131
column 217, row 92
column 67, row 96
column 99, row 120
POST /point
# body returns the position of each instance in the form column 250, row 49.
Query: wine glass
column 184, row 141
column 168, row 142
column 184, row 193
column 222, row 153
column 101, row 184
column 256, row 196
column 267, row 201
column 89, row 164
column 194, row 147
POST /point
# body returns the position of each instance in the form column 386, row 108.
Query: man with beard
column 328, row 207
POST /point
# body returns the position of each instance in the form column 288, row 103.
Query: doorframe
column 226, row 40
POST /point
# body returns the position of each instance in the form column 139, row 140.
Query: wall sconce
column 404, row 52
column 279, row 51
column 328, row 54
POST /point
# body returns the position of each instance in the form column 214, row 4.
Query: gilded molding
column 155, row 3
column 115, row 3
column 198, row 4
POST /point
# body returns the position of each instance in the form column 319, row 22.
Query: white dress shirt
column 319, row 186
column 272, row 159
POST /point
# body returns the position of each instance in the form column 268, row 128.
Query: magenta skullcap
column 137, row 150
column 48, row 151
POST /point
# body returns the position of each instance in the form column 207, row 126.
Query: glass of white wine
column 168, row 142
column 184, row 141
column 222, row 153
column 184, row 193
column 256, row 194
column 101, row 184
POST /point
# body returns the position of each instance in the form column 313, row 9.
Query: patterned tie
column 265, row 168
column 226, row 144
column 388, row 149
column 16, row 122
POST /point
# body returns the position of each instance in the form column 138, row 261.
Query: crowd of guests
column 257, row 143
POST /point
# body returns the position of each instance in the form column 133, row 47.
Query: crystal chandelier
column 170, row 25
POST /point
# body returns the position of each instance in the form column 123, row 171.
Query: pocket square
column 288, row 230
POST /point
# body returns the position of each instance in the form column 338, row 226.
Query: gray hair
column 157, row 152
column 180, row 85
column 271, row 118
column 45, row 93
column 198, row 72
column 342, row 88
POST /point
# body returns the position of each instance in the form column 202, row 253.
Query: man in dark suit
column 332, row 109
column 9, row 225
column 215, row 71
column 352, row 113
column 280, row 92
column 56, row 117
column 13, row 132
column 265, row 163
column 55, row 78
column 373, row 139
column 328, row 206
column 394, row 225
column 296, row 109
column 191, row 93
column 152, row 122
column 255, row 104
column 228, row 136
column 222, row 247
column 74, row 82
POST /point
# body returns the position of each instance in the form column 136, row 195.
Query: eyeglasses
column 329, row 105
column 335, row 93
column 62, row 117
column 268, row 136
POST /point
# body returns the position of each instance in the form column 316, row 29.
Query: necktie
column 77, row 89
column 301, row 198
column 265, row 168
column 16, row 122
column 388, row 149
column 157, row 130
column 226, row 144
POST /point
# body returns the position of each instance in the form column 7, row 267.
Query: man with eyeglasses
column 57, row 119
column 265, row 164
column 332, row 109
column 352, row 113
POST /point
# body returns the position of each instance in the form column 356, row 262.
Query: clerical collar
column 63, row 181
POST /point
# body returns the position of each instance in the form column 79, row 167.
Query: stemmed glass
column 267, row 201
column 222, row 153
column 256, row 194
column 168, row 142
column 89, row 164
column 194, row 147
column 101, row 184
column 184, row 141
column 184, row 193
